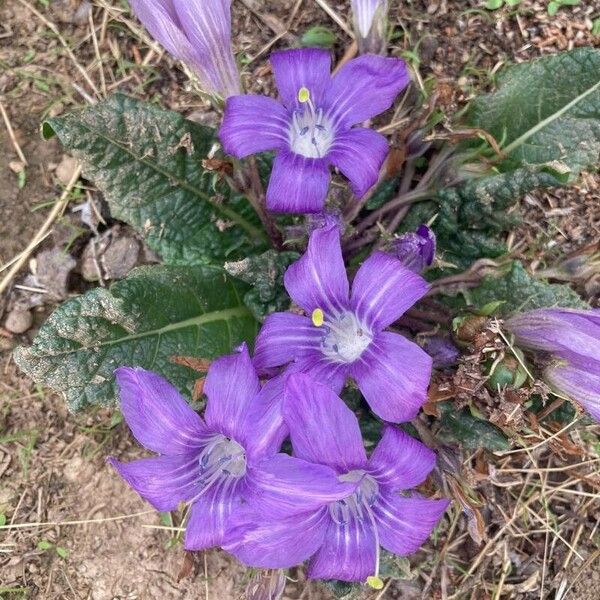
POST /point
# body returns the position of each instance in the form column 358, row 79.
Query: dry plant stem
column 11, row 135
column 247, row 181
column 56, row 211
column 64, row 43
column 335, row 17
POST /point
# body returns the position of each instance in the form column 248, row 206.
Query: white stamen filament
column 311, row 133
column 358, row 506
column 346, row 338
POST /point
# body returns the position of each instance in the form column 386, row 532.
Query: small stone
column 66, row 169
column 121, row 257
column 16, row 166
column 18, row 321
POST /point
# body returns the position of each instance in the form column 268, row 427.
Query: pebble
column 18, row 321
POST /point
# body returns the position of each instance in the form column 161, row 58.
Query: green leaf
column 519, row 291
column 545, row 110
column 319, row 36
column 148, row 163
column 265, row 273
column 44, row 545
column 494, row 4
column 144, row 320
column 471, row 432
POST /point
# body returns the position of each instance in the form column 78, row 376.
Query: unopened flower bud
column 572, row 340
column 370, row 24
column 416, row 249
column 442, row 350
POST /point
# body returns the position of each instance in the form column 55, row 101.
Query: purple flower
column 370, row 23
column 198, row 33
column 207, row 463
column 312, row 127
column 344, row 332
column 572, row 339
column 416, row 250
column 342, row 538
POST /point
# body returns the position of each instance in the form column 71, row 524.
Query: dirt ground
column 77, row 531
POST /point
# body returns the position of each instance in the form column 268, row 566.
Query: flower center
column 311, row 132
column 346, row 338
column 221, row 458
column 358, row 504
column 358, row 507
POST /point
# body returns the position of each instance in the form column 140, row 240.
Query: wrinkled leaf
column 519, row 291
column 545, row 110
column 265, row 274
column 471, row 216
column 469, row 431
column 155, row 314
column 149, row 164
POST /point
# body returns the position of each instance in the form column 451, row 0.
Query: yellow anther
column 318, row 318
column 375, row 582
column 303, row 95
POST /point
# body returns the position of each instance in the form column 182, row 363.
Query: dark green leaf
column 144, row 320
column 148, row 163
column 546, row 110
column 519, row 291
column 265, row 273
column 471, row 432
column 471, row 216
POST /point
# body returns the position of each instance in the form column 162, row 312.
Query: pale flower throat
column 311, row 132
column 359, row 507
column 346, row 338
column 221, row 458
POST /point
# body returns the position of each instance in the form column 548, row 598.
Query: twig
column 336, row 18
column 63, row 42
column 11, row 135
column 82, row 522
column 56, row 211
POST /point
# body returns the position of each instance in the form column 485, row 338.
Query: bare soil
column 109, row 545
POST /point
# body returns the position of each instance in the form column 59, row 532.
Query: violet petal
column 282, row 338
column 260, row 541
column 159, row 418
column 210, row 515
column 308, row 68
column 400, row 462
column 384, row 289
column 163, row 481
column 405, row 523
column 322, row 428
column 359, row 154
column 393, row 374
column 298, row 184
column 231, row 385
column 348, row 552
column 318, row 279
column 365, row 87
column 253, row 124
column 285, row 485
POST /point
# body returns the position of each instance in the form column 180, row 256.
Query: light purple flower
column 416, row 250
column 208, row 462
column 313, row 127
column 572, row 339
column 370, row 23
column 341, row 538
column 198, row 33
column 343, row 334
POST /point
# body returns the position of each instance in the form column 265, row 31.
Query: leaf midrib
column 255, row 232
column 216, row 315
column 550, row 119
